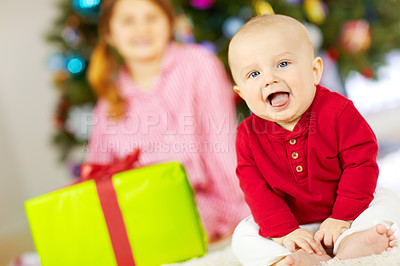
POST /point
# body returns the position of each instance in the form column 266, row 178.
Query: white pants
column 254, row 250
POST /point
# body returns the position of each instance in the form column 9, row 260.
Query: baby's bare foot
column 371, row 241
column 302, row 258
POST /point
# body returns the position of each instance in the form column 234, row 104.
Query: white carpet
column 225, row 257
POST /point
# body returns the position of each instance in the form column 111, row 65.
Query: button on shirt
column 326, row 167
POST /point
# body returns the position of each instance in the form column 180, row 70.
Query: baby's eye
column 283, row 64
column 253, row 74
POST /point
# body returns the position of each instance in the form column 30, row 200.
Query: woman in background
column 172, row 101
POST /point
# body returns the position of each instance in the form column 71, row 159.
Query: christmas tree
column 355, row 34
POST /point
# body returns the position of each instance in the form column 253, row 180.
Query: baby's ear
column 317, row 69
column 237, row 90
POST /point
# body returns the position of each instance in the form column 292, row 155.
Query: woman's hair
column 104, row 62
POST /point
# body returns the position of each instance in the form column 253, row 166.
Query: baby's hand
column 301, row 238
column 330, row 230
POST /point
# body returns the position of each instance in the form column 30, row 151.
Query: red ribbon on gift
column 102, row 174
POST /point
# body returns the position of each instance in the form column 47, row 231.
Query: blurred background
column 28, row 162
column 46, row 103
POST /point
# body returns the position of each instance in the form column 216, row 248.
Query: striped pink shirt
column 189, row 116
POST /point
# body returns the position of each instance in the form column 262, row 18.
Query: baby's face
column 275, row 72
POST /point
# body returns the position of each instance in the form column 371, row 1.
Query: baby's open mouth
column 278, row 99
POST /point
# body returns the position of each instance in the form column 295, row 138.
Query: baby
column 306, row 157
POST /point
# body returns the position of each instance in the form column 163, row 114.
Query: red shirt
column 326, row 167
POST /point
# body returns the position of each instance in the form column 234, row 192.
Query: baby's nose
column 269, row 79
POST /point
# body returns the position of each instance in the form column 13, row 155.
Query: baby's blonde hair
column 259, row 23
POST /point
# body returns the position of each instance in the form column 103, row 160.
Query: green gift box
column 71, row 226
